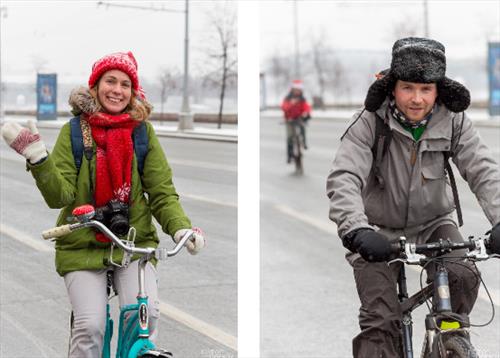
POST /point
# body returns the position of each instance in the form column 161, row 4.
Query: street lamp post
column 185, row 117
column 296, row 35
column 3, row 14
column 426, row 19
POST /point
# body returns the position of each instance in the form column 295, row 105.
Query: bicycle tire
column 458, row 347
column 297, row 154
column 157, row 354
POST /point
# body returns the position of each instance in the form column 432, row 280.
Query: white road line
column 199, row 326
column 328, row 227
column 332, row 229
column 204, row 165
column 207, row 200
column 168, row 310
column 37, row 244
column 43, row 349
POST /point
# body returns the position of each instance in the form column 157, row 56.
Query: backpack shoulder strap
column 141, row 143
column 447, row 155
column 81, row 141
column 381, row 142
column 76, row 141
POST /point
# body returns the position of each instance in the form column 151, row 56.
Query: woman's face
column 114, row 91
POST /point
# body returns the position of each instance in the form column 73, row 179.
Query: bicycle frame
column 297, row 143
column 438, row 321
column 133, row 337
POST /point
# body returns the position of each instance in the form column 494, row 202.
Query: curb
column 487, row 123
column 163, row 132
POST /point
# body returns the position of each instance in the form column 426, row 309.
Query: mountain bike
column 447, row 333
column 133, row 331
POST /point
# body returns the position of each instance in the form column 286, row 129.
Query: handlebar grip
column 56, row 231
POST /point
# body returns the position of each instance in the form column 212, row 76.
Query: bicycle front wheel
column 458, row 347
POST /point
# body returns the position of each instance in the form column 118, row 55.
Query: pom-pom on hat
column 297, row 84
column 419, row 60
column 123, row 61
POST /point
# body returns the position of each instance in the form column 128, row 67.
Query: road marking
column 328, row 227
column 332, row 229
column 204, row 165
column 168, row 310
column 207, row 200
column 199, row 326
column 44, row 350
column 37, row 244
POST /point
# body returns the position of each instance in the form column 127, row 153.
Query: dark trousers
column 380, row 313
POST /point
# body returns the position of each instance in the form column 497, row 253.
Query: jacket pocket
column 436, row 196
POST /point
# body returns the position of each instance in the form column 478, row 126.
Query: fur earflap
column 82, row 101
column 378, row 92
column 453, row 95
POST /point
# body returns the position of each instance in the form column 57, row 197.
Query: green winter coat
column 63, row 187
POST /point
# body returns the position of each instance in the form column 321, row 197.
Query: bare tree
column 168, row 83
column 321, row 51
column 281, row 73
column 222, row 50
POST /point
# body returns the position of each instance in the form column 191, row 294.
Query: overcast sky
column 68, row 36
column 462, row 26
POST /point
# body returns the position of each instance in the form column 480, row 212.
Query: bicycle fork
column 407, row 323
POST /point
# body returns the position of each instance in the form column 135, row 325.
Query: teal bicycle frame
column 133, row 332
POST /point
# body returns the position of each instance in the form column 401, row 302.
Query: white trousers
column 88, row 297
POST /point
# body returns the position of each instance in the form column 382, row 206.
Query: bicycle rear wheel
column 458, row 347
column 297, row 154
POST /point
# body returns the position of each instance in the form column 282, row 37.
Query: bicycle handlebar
column 417, row 253
column 160, row 253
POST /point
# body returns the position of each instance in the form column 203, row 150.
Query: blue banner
column 494, row 77
column 46, row 94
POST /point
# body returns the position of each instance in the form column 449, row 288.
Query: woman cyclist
column 109, row 110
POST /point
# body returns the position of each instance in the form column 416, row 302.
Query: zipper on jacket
column 413, row 154
column 413, row 160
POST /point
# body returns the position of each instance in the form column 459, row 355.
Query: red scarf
column 115, row 149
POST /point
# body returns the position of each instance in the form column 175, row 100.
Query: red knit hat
column 122, row 61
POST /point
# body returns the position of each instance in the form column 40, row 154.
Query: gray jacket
column 417, row 190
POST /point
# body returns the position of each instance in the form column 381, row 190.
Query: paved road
column 33, row 304
column 308, row 298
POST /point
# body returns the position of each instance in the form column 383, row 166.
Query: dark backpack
column 383, row 137
column 139, row 137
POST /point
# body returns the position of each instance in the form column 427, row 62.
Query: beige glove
column 25, row 141
column 195, row 244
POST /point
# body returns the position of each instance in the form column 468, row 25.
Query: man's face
column 415, row 100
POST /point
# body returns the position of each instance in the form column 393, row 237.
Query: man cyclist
column 295, row 109
column 405, row 191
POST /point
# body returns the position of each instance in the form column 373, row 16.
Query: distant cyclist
column 109, row 110
column 295, row 108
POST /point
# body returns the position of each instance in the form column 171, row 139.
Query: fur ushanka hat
column 419, row 60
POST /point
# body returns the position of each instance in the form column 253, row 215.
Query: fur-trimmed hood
column 81, row 101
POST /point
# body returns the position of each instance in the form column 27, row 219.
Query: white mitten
column 25, row 141
column 193, row 245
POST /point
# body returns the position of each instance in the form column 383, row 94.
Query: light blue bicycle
column 133, row 332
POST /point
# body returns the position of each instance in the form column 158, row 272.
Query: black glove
column 495, row 239
column 371, row 245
